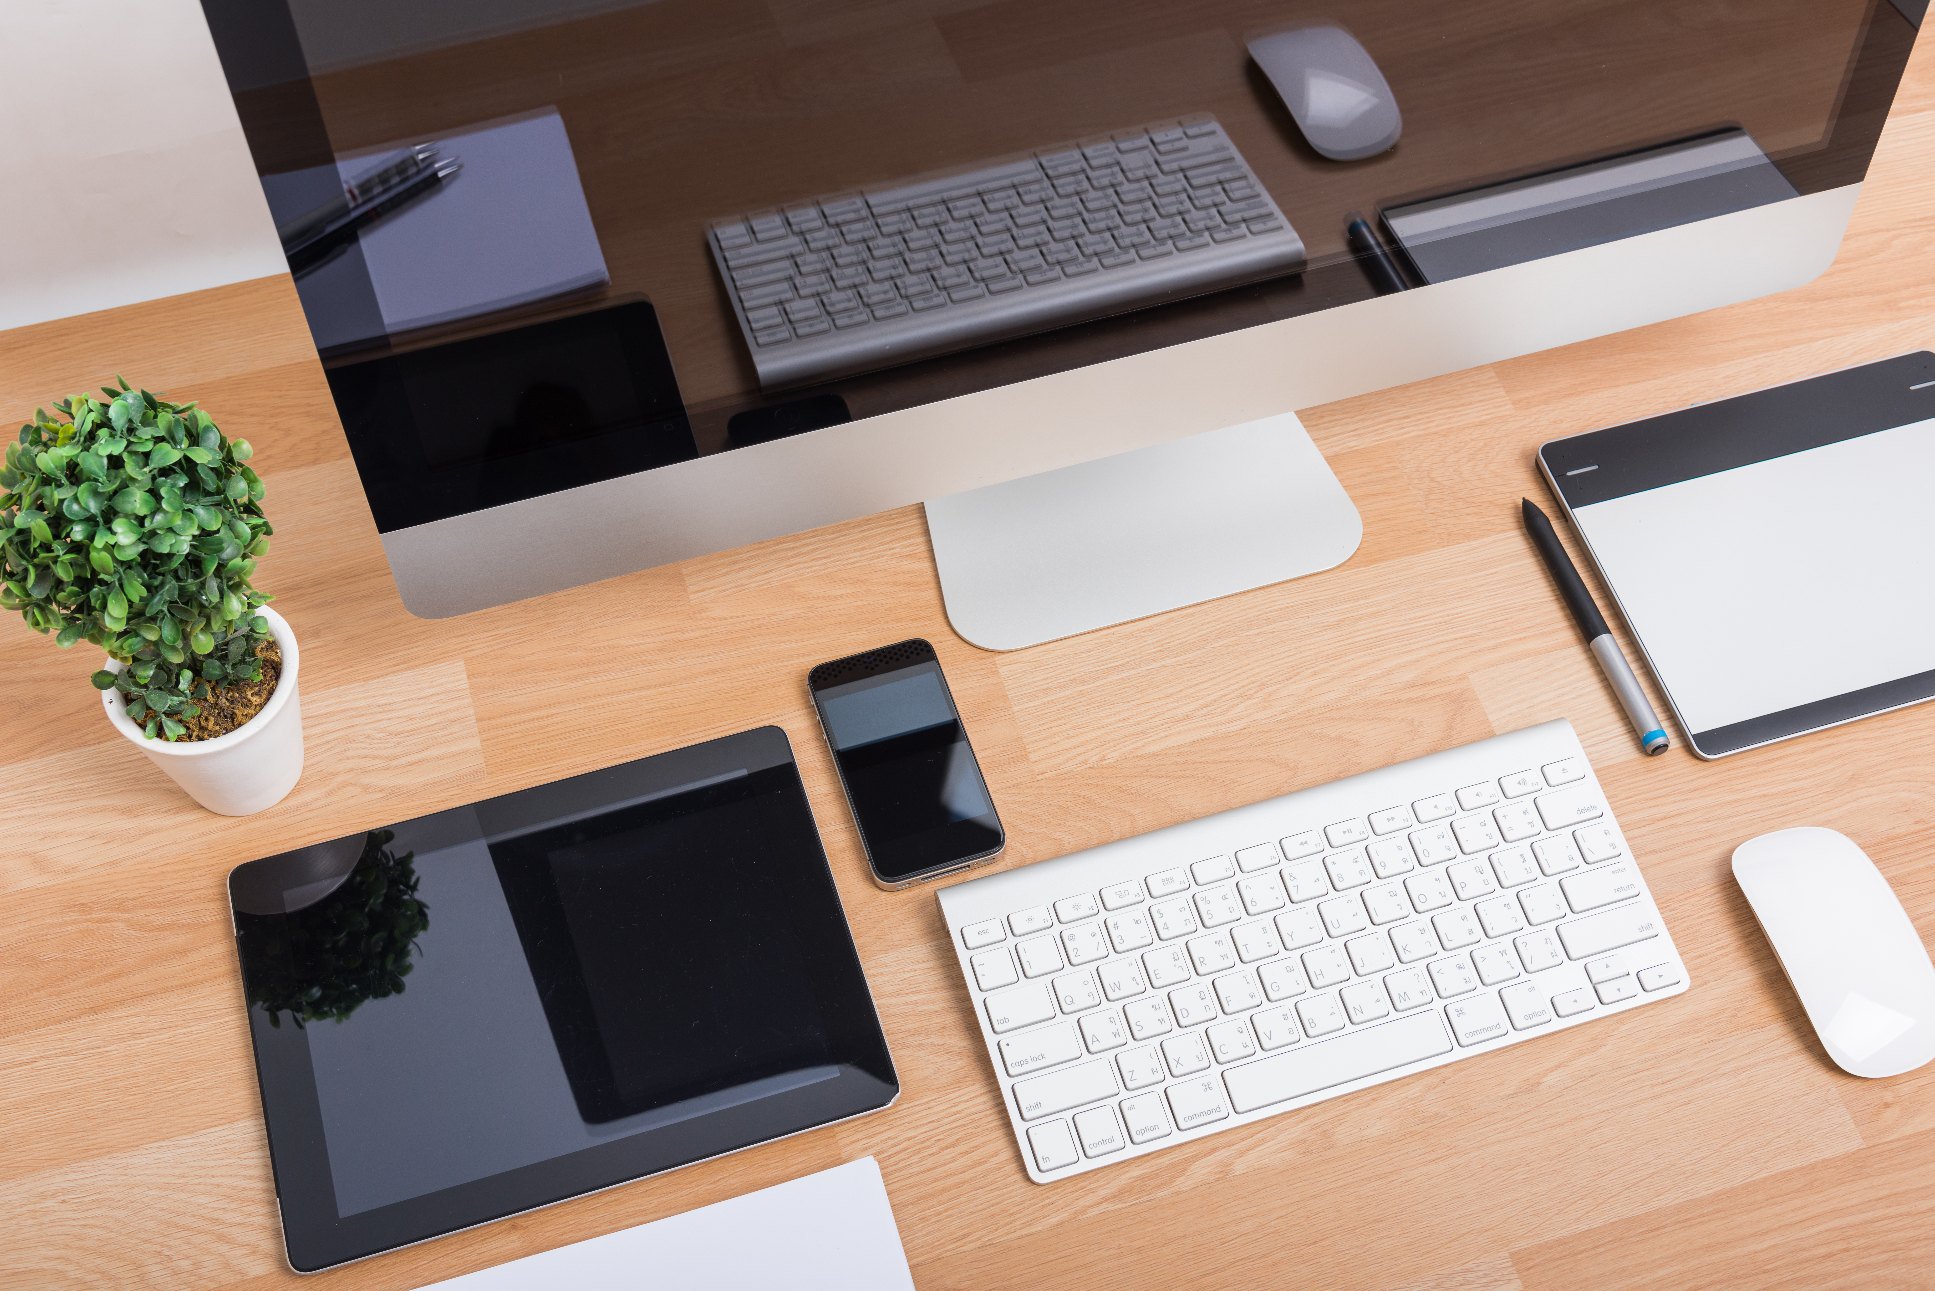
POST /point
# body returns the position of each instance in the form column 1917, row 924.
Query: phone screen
column 915, row 787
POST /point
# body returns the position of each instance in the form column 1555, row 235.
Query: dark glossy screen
column 643, row 121
column 468, row 1013
column 909, row 771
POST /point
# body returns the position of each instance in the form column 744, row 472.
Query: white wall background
column 123, row 172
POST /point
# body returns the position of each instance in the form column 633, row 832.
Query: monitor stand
column 1120, row 538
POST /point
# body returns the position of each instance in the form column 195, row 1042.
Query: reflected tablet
column 500, row 1006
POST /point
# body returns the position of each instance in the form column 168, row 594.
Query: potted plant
column 134, row 523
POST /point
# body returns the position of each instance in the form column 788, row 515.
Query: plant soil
column 227, row 707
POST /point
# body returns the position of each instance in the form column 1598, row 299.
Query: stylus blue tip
column 1654, row 741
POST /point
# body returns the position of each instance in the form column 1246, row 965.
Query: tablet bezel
column 1727, row 434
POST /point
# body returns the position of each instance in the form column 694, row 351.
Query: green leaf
column 102, row 562
column 41, row 532
column 103, row 680
column 163, row 455
column 240, row 450
column 202, row 641
column 173, row 729
column 69, row 635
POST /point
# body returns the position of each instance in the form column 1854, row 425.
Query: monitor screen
column 877, row 206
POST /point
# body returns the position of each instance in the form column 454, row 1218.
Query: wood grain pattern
column 1704, row 1142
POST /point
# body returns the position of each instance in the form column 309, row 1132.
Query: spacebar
column 1334, row 1062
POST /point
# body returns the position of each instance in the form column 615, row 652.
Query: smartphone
column 910, row 777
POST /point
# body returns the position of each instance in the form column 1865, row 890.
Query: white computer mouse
column 1847, row 946
column 1334, row 90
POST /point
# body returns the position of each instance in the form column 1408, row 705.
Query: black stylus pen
column 1592, row 626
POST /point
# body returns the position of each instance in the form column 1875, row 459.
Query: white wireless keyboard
column 1153, row 990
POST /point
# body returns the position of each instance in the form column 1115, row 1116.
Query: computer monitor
column 561, row 354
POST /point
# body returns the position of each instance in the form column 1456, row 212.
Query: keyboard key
column 1429, row 891
column 1145, row 1118
column 1166, row 966
column 1141, row 1068
column 1346, row 832
column 1556, row 855
column 1053, row 1146
column 1300, row 927
column 1344, row 916
column 1197, row 1102
column 1499, row 917
column 1564, row 771
column 994, row 969
column 1305, row 880
column 1035, row 919
column 1261, row 893
column 1453, row 976
column 1348, row 870
column 1103, row 1031
column 1326, row 965
column 1658, row 977
column 1148, row 1019
column 1076, row 992
column 1084, row 945
column 1435, row 846
column 1477, row 1019
column 1391, row 857
column 1542, row 904
column 1414, row 941
column 1296, row 1073
column 1320, row 1015
column 1099, row 1131
column 1494, row 964
column 1230, row 1042
column 1526, row 1005
column 1252, row 859
column 1039, row 957
column 1617, row 989
column 1609, row 930
column 1256, row 941
column 1409, row 989
column 1520, row 783
column 1456, row 929
column 1568, row 807
column 1078, row 907
column 1600, row 887
column 1387, row 904
column 1122, row 979
column 1365, row 1002
column 1390, row 820
column 1212, row 954
column 1539, row 950
column 1193, row 1005
column 1019, row 1006
column 1173, row 919
column 1474, row 796
column 1117, row 896
column 1298, row 846
column 1599, row 843
column 1513, row 866
column 1476, row 834
column 1048, row 1047
column 1283, row 980
column 985, row 933
column 1370, row 955
column 1185, row 1054
column 1218, row 906
column 1567, row 1003
column 1438, row 806
column 1167, row 883
column 1603, row 970
column 1517, row 821
column 1238, row 992
column 1129, row 930
column 1275, row 1028
column 1471, row 879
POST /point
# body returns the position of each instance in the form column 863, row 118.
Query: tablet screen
column 485, row 1009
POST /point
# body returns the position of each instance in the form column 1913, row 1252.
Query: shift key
column 1609, row 930
column 1059, row 1091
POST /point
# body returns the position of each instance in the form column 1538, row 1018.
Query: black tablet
column 1770, row 551
column 492, row 1008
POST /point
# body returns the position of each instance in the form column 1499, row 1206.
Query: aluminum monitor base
column 1153, row 529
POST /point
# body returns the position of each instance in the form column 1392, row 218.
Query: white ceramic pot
column 251, row 768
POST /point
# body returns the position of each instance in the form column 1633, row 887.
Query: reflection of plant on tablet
column 356, row 944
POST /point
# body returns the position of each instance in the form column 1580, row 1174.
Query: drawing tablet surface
column 547, row 993
column 1771, row 551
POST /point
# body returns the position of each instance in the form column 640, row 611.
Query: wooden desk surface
column 1705, row 1141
